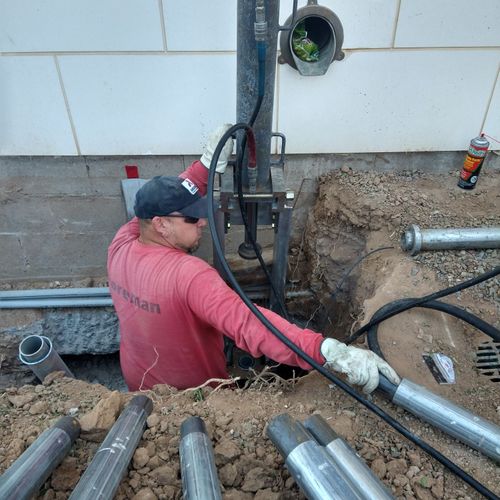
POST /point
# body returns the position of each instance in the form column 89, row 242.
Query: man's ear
column 160, row 224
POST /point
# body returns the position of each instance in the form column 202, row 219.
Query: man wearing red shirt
column 174, row 308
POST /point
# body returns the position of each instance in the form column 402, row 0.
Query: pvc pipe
column 49, row 303
column 198, row 471
column 360, row 476
column 36, row 351
column 452, row 419
column 308, row 462
column 414, row 239
column 109, row 465
column 23, row 479
column 45, row 293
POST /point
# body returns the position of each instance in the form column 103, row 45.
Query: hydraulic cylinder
column 109, row 465
column 414, row 239
column 27, row 474
column 308, row 462
column 452, row 419
column 360, row 476
column 198, row 471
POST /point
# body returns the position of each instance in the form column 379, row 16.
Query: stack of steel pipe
column 198, row 471
column 109, row 465
column 323, row 467
column 23, row 479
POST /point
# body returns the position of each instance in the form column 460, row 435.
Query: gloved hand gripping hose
column 328, row 375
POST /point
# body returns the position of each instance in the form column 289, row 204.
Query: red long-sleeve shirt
column 174, row 309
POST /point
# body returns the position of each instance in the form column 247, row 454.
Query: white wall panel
column 198, row 25
column 164, row 104
column 492, row 123
column 448, row 23
column 73, row 25
column 33, row 116
column 366, row 23
column 388, row 101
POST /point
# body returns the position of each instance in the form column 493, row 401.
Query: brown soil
column 355, row 213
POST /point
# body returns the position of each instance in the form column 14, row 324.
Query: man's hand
column 212, row 142
column 362, row 367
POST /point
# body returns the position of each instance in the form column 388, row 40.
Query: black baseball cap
column 163, row 195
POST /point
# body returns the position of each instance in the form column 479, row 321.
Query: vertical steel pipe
column 36, row 351
column 360, row 477
column 198, row 471
column 109, row 465
column 308, row 462
column 27, row 474
column 414, row 239
column 452, row 419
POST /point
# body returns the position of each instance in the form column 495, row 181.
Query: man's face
column 181, row 234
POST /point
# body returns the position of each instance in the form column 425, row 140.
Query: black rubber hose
column 450, row 309
column 417, row 302
column 326, row 373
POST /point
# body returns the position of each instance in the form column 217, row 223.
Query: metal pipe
column 452, row 419
column 29, row 472
column 36, row 351
column 414, row 239
column 309, row 463
column 198, row 471
column 45, row 293
column 360, row 476
column 105, row 472
column 51, row 303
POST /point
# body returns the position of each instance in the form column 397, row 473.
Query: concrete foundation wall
column 58, row 215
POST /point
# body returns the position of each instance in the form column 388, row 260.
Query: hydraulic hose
column 322, row 370
column 450, row 309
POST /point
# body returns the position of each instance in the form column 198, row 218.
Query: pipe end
column 70, row 426
column 192, row 424
column 142, row 402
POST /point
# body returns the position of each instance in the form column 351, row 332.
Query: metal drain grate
column 488, row 360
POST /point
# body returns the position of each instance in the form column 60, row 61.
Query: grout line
column 162, row 23
column 396, row 22
column 66, row 103
column 495, row 81
column 229, row 52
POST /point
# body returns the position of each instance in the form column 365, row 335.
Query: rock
column 51, row 377
column 145, row 494
column 96, row 424
column 153, row 420
column 39, row 407
column 438, row 487
column 226, row 451
column 22, row 399
column 396, row 467
column 228, row 474
column 141, row 458
column 16, row 447
column 237, row 495
column 164, row 475
column 257, row 479
column 379, row 468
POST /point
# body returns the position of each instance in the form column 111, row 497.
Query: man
column 174, row 308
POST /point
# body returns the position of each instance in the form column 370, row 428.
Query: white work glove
column 212, row 142
column 362, row 367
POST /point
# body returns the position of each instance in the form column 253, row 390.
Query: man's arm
column 127, row 233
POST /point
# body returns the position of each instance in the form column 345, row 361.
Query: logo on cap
column 190, row 186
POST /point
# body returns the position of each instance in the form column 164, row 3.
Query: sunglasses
column 187, row 218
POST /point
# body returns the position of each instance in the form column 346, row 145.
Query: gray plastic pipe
column 308, row 462
column 452, row 419
column 414, row 239
column 36, row 351
column 109, row 465
column 361, row 478
column 29, row 472
column 198, row 471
